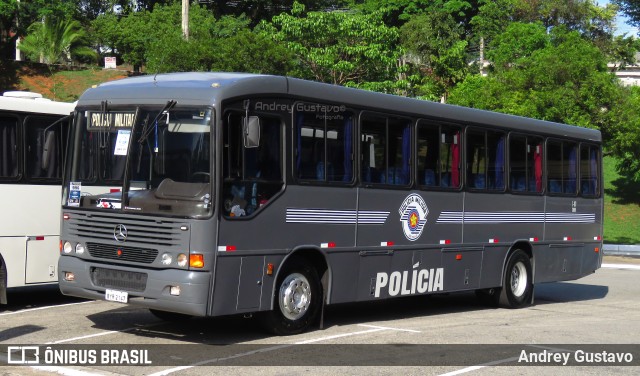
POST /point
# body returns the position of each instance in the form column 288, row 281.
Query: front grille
column 114, row 252
column 164, row 233
column 119, row 279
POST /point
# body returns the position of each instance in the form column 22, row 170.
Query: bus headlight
column 182, row 260
column 67, row 248
column 166, row 259
column 79, row 248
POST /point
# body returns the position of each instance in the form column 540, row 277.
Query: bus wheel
column 169, row 316
column 297, row 300
column 517, row 287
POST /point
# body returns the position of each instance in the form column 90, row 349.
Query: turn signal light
column 196, row 260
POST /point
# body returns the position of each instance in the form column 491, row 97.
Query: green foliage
column 621, row 206
column 55, row 41
column 631, row 8
column 339, row 47
column 437, row 50
column 557, row 77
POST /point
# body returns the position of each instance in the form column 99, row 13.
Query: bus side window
column 485, row 160
column 428, row 151
column 589, row 174
column 525, row 164
column 8, row 147
column 252, row 176
column 324, row 146
column 44, row 148
column 563, row 166
column 386, row 150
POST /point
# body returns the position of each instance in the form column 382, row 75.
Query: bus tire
column 169, row 316
column 296, row 300
column 517, row 288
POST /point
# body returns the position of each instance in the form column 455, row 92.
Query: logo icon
column 413, row 216
column 120, row 233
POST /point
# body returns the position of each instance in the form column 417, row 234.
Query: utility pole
column 185, row 19
column 482, row 72
column 18, row 52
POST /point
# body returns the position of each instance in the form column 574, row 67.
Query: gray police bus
column 239, row 194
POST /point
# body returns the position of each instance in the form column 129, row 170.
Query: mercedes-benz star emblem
column 120, row 233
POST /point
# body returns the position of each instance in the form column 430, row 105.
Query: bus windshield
column 152, row 161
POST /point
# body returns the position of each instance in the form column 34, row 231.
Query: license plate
column 116, row 296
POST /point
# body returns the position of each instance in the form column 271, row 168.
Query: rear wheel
column 517, row 288
column 297, row 300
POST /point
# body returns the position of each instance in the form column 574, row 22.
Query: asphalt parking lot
column 441, row 335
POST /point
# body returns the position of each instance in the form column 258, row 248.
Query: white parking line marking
column 103, row 333
column 41, row 308
column 267, row 349
column 68, row 371
column 621, row 266
column 480, row 366
column 87, row 336
column 388, row 328
column 338, row 336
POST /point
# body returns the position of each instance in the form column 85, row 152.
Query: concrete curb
column 621, row 250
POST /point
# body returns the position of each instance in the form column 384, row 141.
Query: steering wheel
column 205, row 177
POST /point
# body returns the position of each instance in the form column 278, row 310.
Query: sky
column 621, row 24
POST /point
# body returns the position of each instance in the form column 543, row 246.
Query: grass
column 621, row 207
column 59, row 83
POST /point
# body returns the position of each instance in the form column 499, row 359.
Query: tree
column 631, row 8
column 557, row 76
column 154, row 39
column 54, row 41
column 436, row 48
column 337, row 47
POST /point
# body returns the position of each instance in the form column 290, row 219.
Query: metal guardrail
column 621, row 250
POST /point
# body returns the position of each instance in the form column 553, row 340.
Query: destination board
column 111, row 120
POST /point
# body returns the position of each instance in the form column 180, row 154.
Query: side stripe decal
column 361, row 217
column 515, row 217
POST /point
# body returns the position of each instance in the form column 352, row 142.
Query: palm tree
column 54, row 41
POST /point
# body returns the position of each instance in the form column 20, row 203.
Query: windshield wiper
column 146, row 130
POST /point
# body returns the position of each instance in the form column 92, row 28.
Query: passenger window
column 562, row 164
column 438, row 155
column 386, row 150
column 525, row 163
column 485, row 160
column 252, row 176
column 324, row 143
column 8, row 147
column 589, row 174
column 44, row 143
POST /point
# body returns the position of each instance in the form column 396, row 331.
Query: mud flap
column 3, row 285
column 324, row 281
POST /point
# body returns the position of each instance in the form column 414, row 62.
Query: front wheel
column 517, row 288
column 297, row 300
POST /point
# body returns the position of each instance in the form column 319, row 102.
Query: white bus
column 33, row 136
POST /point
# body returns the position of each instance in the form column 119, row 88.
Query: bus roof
column 29, row 102
column 208, row 88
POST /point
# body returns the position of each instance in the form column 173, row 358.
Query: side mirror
column 251, row 132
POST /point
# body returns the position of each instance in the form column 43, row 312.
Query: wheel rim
column 295, row 296
column 518, row 279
